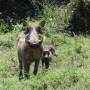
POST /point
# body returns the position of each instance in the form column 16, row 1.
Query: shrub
column 5, row 27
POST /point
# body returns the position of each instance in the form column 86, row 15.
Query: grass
column 69, row 70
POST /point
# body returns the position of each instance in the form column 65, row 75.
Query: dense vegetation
column 70, row 68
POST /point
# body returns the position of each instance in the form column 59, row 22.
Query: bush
column 79, row 22
column 5, row 27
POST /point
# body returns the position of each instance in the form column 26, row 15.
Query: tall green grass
column 69, row 69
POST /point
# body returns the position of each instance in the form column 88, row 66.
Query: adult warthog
column 29, row 47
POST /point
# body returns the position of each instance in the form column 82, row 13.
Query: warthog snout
column 34, row 45
column 34, row 40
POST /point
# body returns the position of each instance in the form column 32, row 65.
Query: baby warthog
column 29, row 47
column 47, row 56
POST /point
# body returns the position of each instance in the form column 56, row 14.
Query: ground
column 69, row 69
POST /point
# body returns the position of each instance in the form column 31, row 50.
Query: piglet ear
column 42, row 23
column 52, row 50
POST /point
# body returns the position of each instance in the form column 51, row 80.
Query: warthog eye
column 46, row 53
column 28, row 30
column 39, row 29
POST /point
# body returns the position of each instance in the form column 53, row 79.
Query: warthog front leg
column 26, row 70
column 46, row 64
column 20, row 70
column 36, row 67
column 43, row 63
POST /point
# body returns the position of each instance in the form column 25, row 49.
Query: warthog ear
column 42, row 23
column 25, row 23
column 52, row 49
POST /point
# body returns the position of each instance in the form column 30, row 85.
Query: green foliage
column 8, row 40
column 58, row 17
column 4, row 28
column 69, row 69
column 71, row 18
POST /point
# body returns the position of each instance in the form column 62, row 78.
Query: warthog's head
column 33, row 33
column 47, row 56
column 48, row 52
